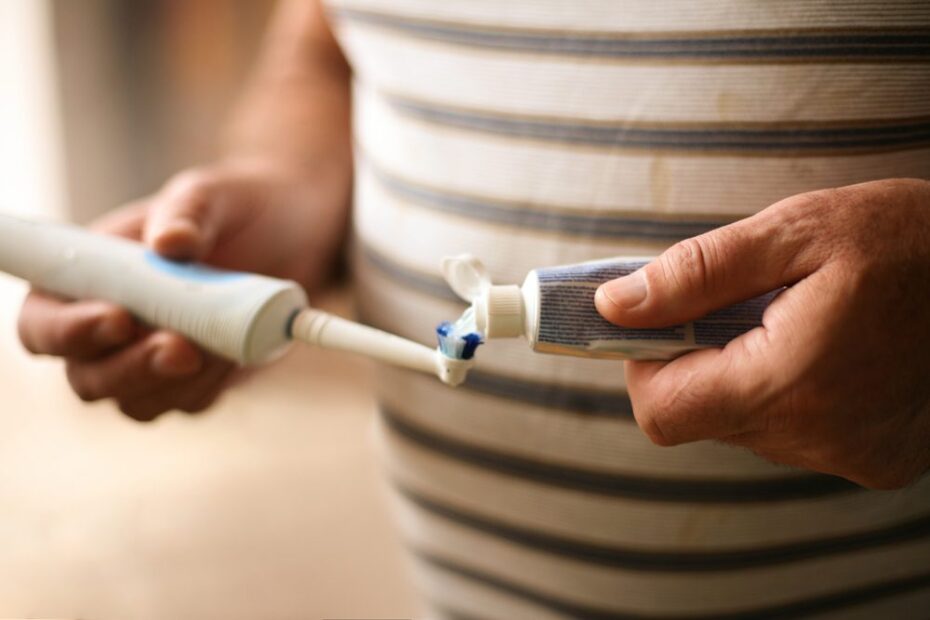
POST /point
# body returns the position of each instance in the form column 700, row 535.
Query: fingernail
column 626, row 292
column 177, row 237
column 174, row 362
column 182, row 227
column 111, row 331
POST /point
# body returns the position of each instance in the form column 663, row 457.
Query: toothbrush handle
column 241, row 316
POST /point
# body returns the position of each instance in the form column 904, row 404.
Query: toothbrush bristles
column 470, row 343
column 451, row 344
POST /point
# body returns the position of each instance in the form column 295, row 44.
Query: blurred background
column 268, row 505
column 106, row 98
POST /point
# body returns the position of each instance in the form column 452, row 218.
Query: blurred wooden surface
column 267, row 506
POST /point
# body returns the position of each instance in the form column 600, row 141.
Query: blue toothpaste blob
column 460, row 339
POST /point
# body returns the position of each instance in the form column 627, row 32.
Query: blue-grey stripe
column 673, row 561
column 843, row 599
column 538, row 217
column 774, row 141
column 651, row 488
column 912, row 44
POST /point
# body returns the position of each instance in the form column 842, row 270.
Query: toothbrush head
column 456, row 344
column 456, row 351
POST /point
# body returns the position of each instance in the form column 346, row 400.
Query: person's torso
column 545, row 132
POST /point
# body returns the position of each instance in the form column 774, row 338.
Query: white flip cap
column 498, row 308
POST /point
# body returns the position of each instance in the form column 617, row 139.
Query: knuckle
column 800, row 222
column 192, row 185
column 653, row 429
column 83, row 393
column 648, row 416
column 196, row 406
column 67, row 335
column 690, row 263
column 686, row 407
column 201, row 403
column 813, row 203
column 140, row 411
column 822, row 219
column 802, row 211
column 82, row 384
column 24, row 332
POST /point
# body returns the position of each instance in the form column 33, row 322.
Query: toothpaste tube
column 554, row 310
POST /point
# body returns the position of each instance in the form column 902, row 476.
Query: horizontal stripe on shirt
column 420, row 239
column 657, row 15
column 820, row 45
column 625, row 522
column 539, row 217
column 598, row 178
column 429, row 284
column 585, row 401
column 671, row 561
column 775, row 141
column 644, row 92
column 640, row 487
column 665, row 592
column 843, row 599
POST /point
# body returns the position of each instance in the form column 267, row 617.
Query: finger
column 191, row 396
column 739, row 393
column 730, row 264
column 47, row 325
column 200, row 395
column 140, row 368
column 184, row 219
column 126, row 221
column 708, row 394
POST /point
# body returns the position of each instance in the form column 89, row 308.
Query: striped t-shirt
column 546, row 132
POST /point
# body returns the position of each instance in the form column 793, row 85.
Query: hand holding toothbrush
column 838, row 377
column 260, row 216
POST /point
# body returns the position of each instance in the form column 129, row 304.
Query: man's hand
column 838, row 377
column 245, row 215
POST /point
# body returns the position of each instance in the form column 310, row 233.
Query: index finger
column 706, row 394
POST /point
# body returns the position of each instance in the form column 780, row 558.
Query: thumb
column 183, row 219
column 711, row 271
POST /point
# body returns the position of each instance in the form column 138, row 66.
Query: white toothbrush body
column 240, row 316
column 243, row 317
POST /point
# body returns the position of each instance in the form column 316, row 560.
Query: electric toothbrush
column 244, row 317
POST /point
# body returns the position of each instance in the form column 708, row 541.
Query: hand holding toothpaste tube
column 838, row 377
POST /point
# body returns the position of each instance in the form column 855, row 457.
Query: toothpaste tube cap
column 499, row 311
